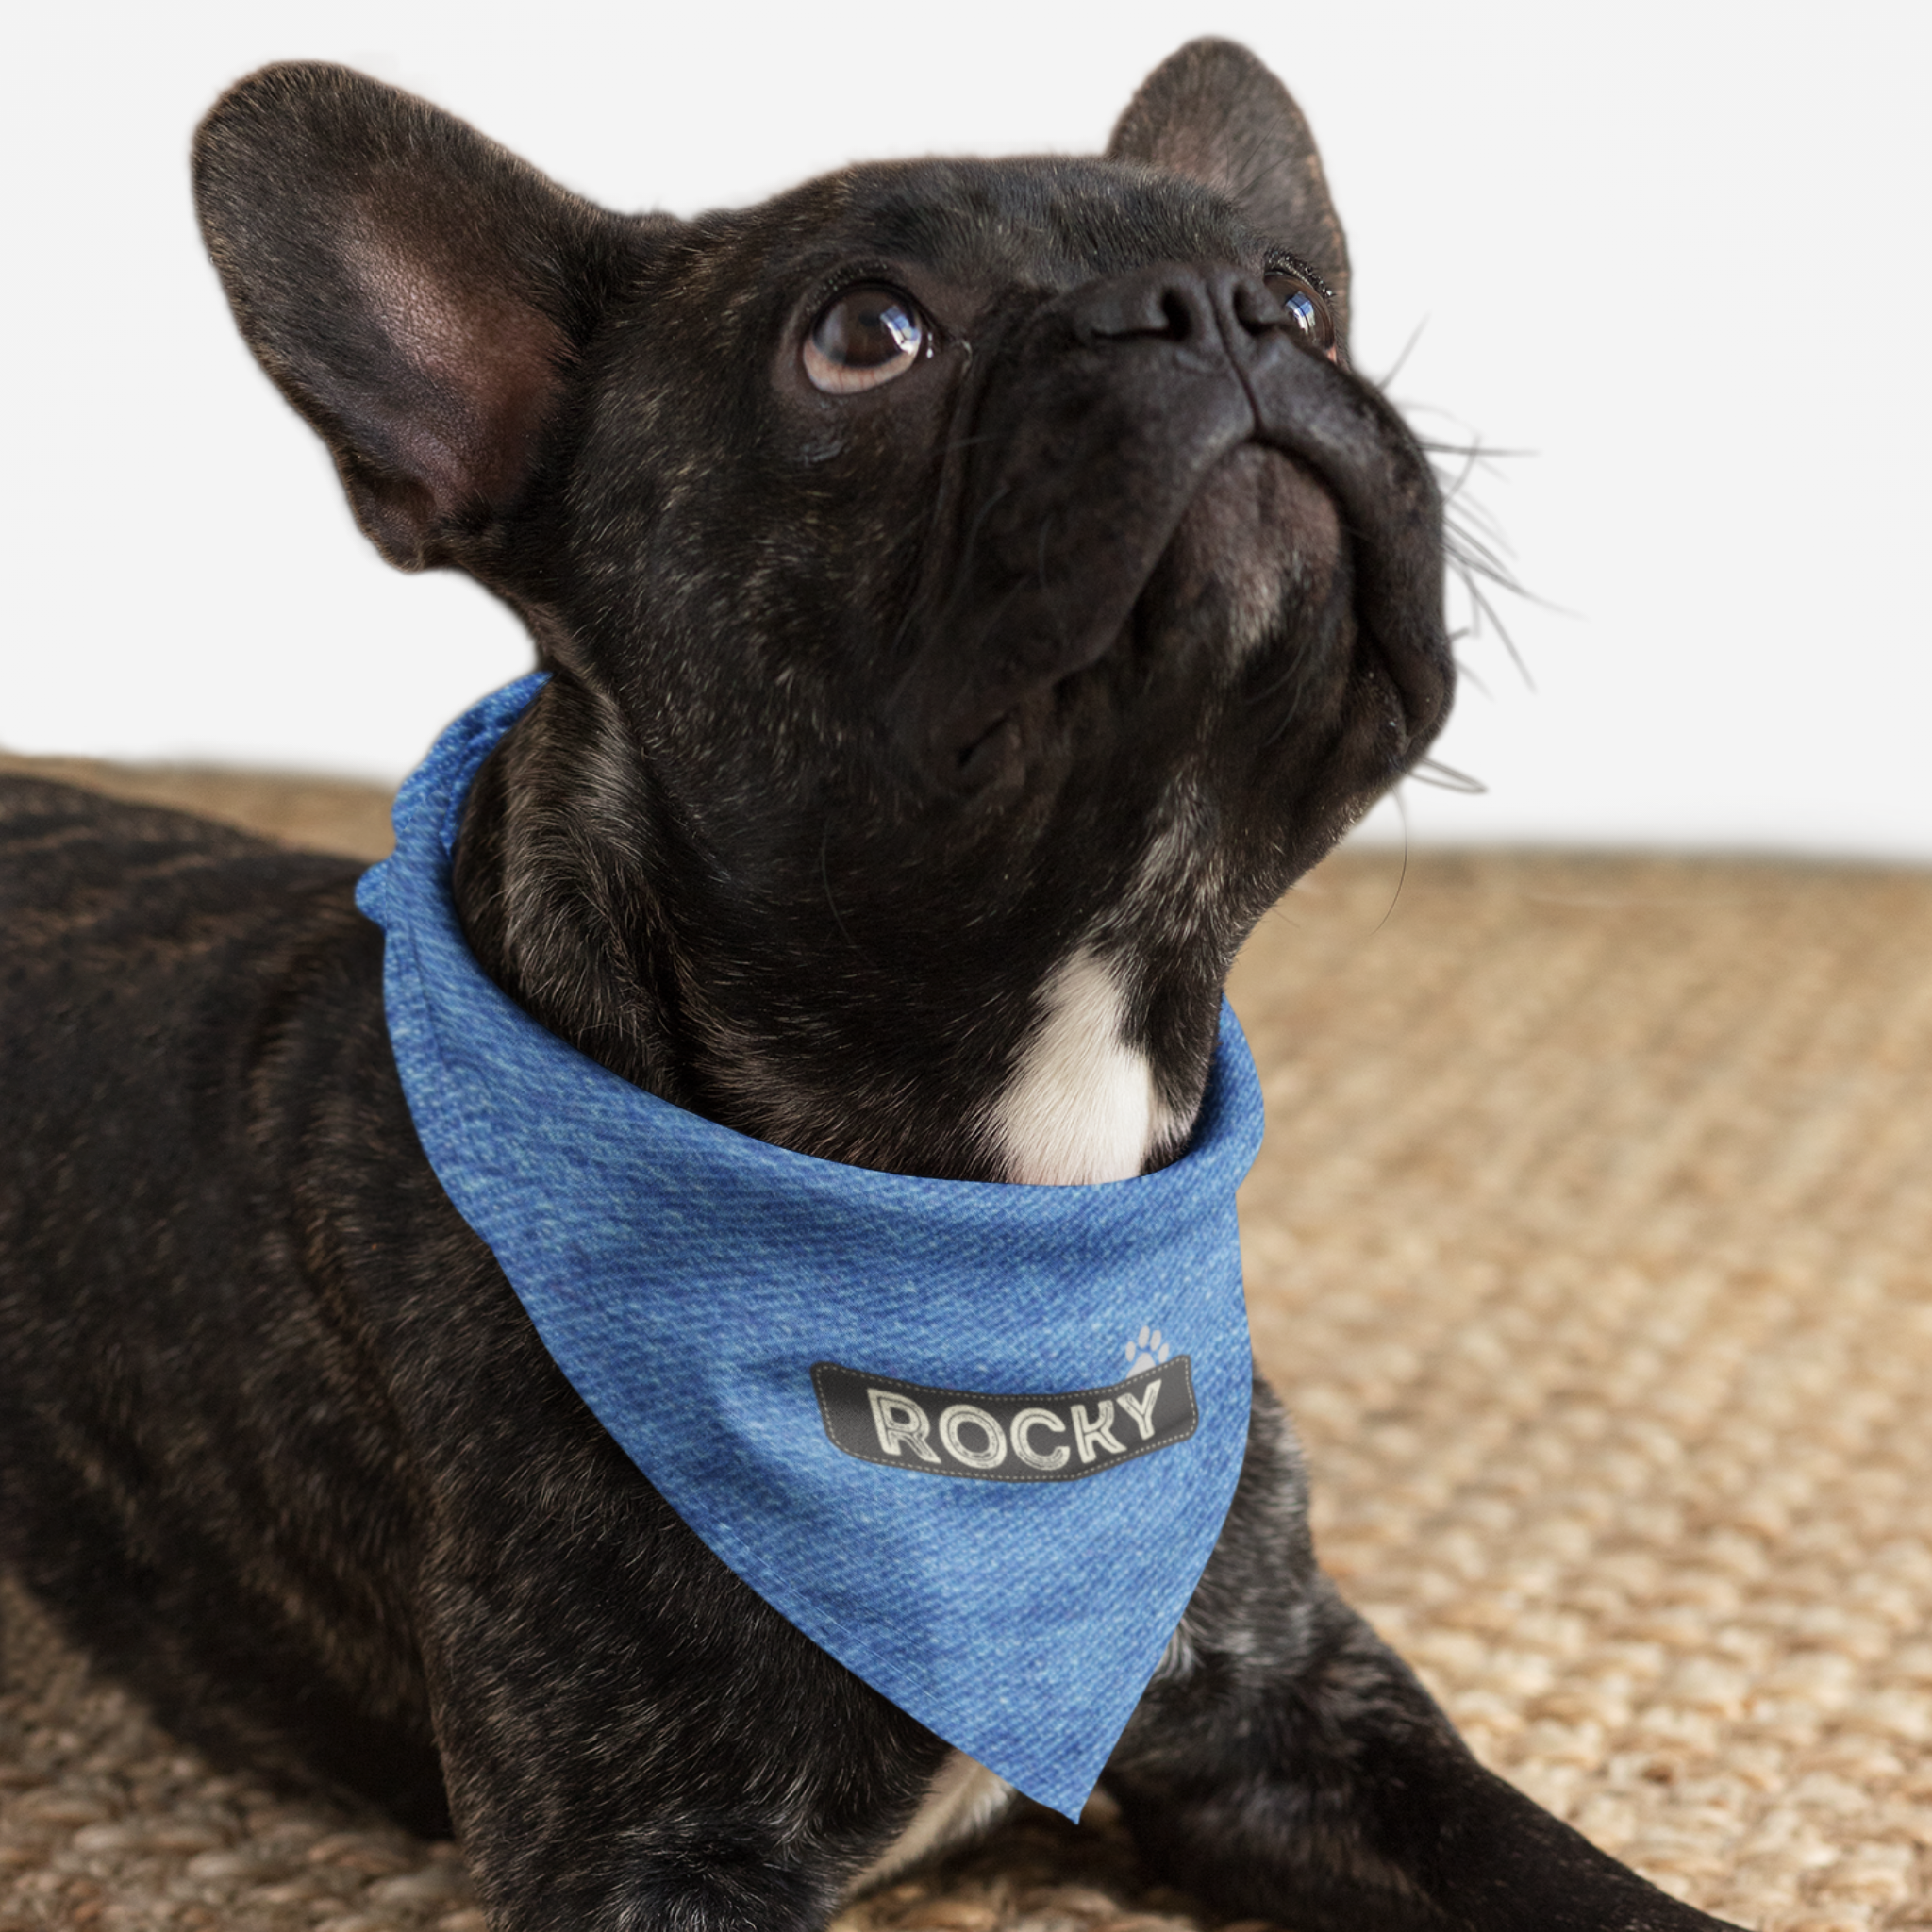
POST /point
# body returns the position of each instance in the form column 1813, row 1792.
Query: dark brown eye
column 864, row 337
column 1306, row 309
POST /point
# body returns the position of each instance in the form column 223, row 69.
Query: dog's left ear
column 1214, row 113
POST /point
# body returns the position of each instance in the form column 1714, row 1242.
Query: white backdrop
column 1676, row 251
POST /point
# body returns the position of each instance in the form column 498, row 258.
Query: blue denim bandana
column 974, row 1439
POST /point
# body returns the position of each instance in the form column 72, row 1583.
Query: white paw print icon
column 1146, row 1351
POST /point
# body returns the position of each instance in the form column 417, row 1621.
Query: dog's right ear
column 415, row 291
column 1213, row 113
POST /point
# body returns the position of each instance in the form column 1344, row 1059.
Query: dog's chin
column 1258, row 564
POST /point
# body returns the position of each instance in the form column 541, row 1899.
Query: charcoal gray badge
column 1041, row 1437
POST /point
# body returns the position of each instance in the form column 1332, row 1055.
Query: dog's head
column 974, row 589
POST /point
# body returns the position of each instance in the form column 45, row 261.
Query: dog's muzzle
column 1088, row 445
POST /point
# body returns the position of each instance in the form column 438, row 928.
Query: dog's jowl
column 968, row 592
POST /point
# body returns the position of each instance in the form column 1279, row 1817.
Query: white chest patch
column 1080, row 1106
column 963, row 1799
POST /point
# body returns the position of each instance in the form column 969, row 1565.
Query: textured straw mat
column 1591, row 1248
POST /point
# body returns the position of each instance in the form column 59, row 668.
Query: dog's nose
column 1186, row 306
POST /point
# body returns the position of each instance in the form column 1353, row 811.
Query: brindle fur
column 1092, row 632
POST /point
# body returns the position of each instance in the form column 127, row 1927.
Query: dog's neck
column 570, row 898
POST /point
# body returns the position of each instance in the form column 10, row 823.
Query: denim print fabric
column 974, row 1439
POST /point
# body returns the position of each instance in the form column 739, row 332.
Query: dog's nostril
column 970, row 759
column 1161, row 305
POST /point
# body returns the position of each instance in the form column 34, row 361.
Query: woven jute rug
column 1590, row 1245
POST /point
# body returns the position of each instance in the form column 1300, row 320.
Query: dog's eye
column 1306, row 309
column 865, row 337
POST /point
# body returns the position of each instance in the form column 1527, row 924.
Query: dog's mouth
column 1258, row 556
column 1257, row 553
column 1263, row 580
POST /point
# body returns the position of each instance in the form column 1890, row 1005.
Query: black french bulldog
column 973, row 591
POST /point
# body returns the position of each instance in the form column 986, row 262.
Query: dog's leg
column 1287, row 1764
column 629, row 1736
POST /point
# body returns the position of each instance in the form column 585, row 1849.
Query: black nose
column 1211, row 308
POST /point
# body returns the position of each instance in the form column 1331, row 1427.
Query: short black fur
column 871, row 714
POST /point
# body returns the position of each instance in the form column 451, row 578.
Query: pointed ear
column 417, row 292
column 1214, row 113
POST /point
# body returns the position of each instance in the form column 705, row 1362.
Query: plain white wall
column 1677, row 251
